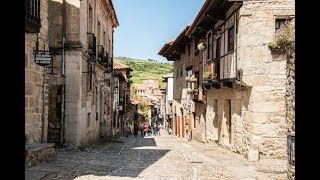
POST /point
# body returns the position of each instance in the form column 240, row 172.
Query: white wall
column 170, row 89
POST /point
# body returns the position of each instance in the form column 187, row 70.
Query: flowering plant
column 202, row 46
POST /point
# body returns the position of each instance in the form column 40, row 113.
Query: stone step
column 39, row 152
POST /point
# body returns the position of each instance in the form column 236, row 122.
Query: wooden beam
column 215, row 16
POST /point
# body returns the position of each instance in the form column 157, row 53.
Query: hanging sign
column 42, row 58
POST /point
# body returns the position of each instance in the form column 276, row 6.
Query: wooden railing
column 222, row 68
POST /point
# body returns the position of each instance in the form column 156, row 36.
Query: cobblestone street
column 154, row 157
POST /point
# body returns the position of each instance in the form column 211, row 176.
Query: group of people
column 145, row 129
column 148, row 130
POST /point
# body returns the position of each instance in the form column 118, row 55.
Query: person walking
column 141, row 130
column 145, row 130
column 135, row 129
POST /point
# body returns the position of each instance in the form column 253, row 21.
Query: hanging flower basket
column 191, row 79
column 202, row 46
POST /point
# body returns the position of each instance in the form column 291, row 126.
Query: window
column 104, row 43
column 98, row 33
column 181, row 72
column 280, row 23
column 88, row 119
column 231, row 38
column 196, row 50
column 209, row 51
column 189, row 52
column 89, row 78
column 32, row 16
column 189, row 74
column 218, row 47
column 197, row 77
column 90, row 21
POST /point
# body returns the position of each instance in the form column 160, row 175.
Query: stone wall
column 265, row 125
column 199, row 131
column 83, row 106
column 36, row 93
column 290, row 99
column 290, row 89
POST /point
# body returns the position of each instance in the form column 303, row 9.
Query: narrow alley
column 154, row 157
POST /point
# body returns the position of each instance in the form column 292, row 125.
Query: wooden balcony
column 220, row 70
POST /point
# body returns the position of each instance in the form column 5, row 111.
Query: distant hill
column 146, row 68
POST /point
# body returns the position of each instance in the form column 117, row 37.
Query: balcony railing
column 92, row 45
column 32, row 16
column 222, row 69
column 101, row 54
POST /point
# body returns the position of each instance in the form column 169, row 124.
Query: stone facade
column 86, row 107
column 36, row 86
column 243, row 107
column 265, row 115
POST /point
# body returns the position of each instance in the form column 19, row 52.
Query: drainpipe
column 64, row 12
column 236, row 42
column 43, row 102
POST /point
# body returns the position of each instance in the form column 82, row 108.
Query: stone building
column 240, row 85
column 36, row 84
column 167, row 100
column 122, row 104
column 81, row 41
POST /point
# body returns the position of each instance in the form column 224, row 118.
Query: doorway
column 227, row 116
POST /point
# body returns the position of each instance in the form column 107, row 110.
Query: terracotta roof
column 195, row 21
column 133, row 101
column 114, row 14
column 140, row 86
column 167, row 48
column 158, row 93
column 140, row 112
column 149, row 78
column 168, row 75
column 117, row 65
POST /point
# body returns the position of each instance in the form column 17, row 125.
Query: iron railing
column 291, row 148
column 101, row 54
column 222, row 68
column 92, row 48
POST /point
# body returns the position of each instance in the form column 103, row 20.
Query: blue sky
column 145, row 25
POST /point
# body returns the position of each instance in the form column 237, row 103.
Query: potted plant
column 202, row 46
column 195, row 90
column 191, row 78
column 206, row 74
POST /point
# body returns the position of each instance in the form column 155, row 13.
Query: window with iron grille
column 231, row 38
column 32, row 16
column 101, row 54
column 92, row 45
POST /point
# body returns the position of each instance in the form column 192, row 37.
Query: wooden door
column 183, row 126
column 178, row 126
column 227, row 115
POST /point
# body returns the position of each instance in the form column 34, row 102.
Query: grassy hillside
column 146, row 68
